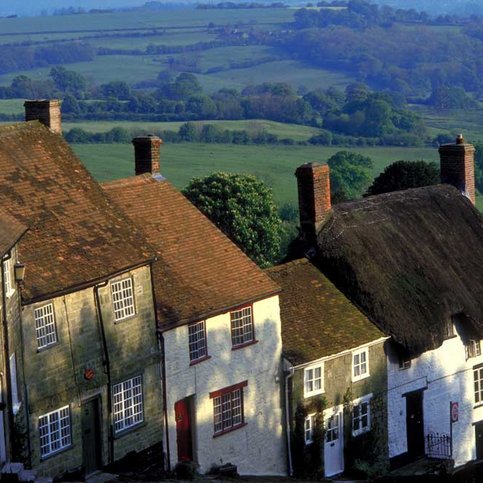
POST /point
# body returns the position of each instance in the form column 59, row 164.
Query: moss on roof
column 410, row 259
column 317, row 319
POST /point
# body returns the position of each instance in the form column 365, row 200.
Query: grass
column 275, row 165
column 293, row 131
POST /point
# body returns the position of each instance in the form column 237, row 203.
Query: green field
column 273, row 164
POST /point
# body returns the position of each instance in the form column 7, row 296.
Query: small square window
column 242, row 330
column 313, row 380
column 309, row 429
column 360, row 364
column 404, row 362
column 361, row 415
column 123, row 299
column 55, row 431
column 197, row 341
column 45, row 326
column 127, row 400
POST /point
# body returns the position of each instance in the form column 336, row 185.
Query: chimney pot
column 45, row 111
column 147, row 154
column 457, row 163
column 313, row 182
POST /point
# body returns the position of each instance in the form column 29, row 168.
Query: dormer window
column 448, row 330
column 472, row 348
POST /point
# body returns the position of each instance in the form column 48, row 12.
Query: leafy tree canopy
column 479, row 166
column 243, row 208
column 349, row 175
column 402, row 175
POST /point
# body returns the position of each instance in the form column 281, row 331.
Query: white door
column 334, row 441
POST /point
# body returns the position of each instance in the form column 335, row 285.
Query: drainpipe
column 287, row 420
column 10, row 417
column 163, row 371
column 107, row 371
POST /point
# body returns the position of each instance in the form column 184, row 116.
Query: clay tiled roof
column 76, row 234
column 317, row 319
column 199, row 272
column 10, row 231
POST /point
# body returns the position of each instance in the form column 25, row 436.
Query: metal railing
column 438, row 445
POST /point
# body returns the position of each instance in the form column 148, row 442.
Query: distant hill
column 35, row 7
column 439, row 7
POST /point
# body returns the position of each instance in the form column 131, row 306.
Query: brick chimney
column 45, row 111
column 457, row 163
column 146, row 154
column 313, row 182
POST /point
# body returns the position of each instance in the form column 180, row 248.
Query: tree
column 349, row 176
column 402, row 175
column 479, row 166
column 243, row 208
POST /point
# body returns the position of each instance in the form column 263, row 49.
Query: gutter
column 8, row 385
column 287, row 421
column 97, row 281
column 163, row 371
column 107, row 371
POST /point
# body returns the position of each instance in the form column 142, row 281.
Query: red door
column 183, row 430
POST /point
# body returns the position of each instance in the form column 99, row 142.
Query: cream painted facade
column 441, row 376
column 258, row 447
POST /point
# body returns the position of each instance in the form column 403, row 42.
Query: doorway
column 333, row 441
column 182, row 412
column 91, row 435
column 415, row 424
column 479, row 440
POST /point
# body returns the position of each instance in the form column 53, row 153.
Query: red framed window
column 197, row 341
column 242, row 330
column 228, row 408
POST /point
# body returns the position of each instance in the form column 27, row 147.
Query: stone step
column 27, row 476
column 12, row 468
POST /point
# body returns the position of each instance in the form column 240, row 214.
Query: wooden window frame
column 196, row 334
column 45, row 326
column 310, row 378
column 478, row 384
column 58, row 439
column 123, row 301
column 246, row 331
column 125, row 406
column 309, row 425
column 359, row 403
column 228, row 415
column 357, row 365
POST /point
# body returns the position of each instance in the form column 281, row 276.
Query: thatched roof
column 411, row 260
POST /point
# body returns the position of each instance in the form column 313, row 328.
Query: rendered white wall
column 447, row 376
column 257, row 448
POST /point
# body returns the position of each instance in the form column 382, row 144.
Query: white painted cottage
column 411, row 261
column 219, row 326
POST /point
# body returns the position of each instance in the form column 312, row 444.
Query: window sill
column 245, row 344
column 360, row 378
column 314, row 393
column 200, row 360
column 129, row 430
column 356, row 434
column 51, row 455
column 9, row 293
column 47, row 347
column 221, row 433
column 129, row 317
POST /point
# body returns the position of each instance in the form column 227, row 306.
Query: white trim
column 7, row 278
column 338, row 354
column 55, row 437
column 122, row 293
column 45, row 328
column 314, row 376
column 356, row 402
column 309, row 419
column 127, row 404
column 13, row 382
column 362, row 366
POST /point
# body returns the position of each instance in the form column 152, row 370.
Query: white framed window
column 404, row 362
column 473, row 348
column 55, row 431
column 228, row 411
column 127, row 399
column 314, row 380
column 360, row 364
column 197, row 341
column 309, row 425
column 361, row 415
column 45, row 326
column 7, row 278
column 242, row 330
column 478, row 380
column 123, row 299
